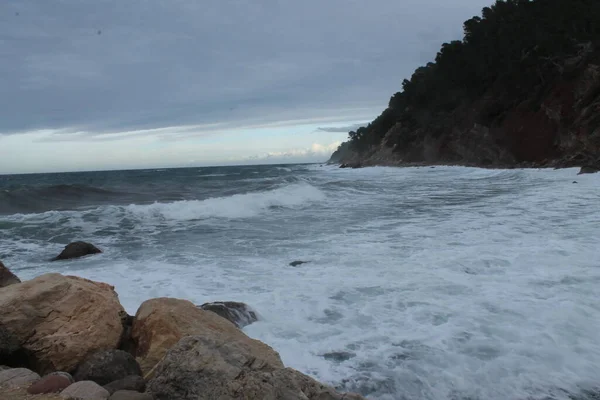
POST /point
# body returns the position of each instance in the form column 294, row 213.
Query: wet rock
column 296, row 263
column 131, row 395
column 588, row 169
column 339, row 356
column 61, row 320
column 132, row 382
column 7, row 277
column 203, row 368
column 17, row 377
column 49, row 384
column 107, row 366
column 238, row 313
column 76, row 250
column 85, row 390
column 160, row 323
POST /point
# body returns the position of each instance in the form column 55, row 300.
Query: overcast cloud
column 188, row 67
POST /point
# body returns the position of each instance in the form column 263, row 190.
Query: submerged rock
column 206, row 368
column 7, row 277
column 160, row 323
column 238, row 313
column 296, row 263
column 76, row 250
column 107, row 366
column 61, row 320
column 339, row 356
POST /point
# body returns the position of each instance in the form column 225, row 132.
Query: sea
column 419, row 283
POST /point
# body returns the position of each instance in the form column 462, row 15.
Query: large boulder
column 7, row 277
column 129, row 383
column 61, row 320
column 76, row 250
column 107, row 366
column 160, row 323
column 239, row 314
column 85, row 390
column 206, row 368
column 17, row 378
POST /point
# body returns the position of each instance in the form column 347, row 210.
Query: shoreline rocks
column 7, row 277
column 56, row 325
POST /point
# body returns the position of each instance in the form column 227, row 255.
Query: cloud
column 343, row 129
column 159, row 64
column 316, row 152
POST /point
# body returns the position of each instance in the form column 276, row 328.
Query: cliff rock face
column 522, row 89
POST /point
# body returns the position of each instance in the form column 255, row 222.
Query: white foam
column 445, row 283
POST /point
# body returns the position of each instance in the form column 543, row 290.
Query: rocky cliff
column 491, row 102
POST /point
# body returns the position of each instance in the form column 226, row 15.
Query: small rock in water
column 296, row 263
column 17, row 378
column 107, row 366
column 238, row 313
column 7, row 277
column 76, row 250
column 85, row 390
column 588, row 169
column 49, row 384
column 575, row 182
column 133, row 382
column 339, row 356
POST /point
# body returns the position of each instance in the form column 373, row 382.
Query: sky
column 113, row 84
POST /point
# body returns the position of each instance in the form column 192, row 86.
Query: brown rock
column 85, row 390
column 49, row 384
column 61, row 320
column 130, row 395
column 76, row 250
column 7, row 277
column 160, row 323
column 17, row 377
column 133, row 382
column 206, row 368
column 65, row 374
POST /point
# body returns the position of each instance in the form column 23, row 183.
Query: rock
column 296, row 263
column 85, row 390
column 3, row 367
column 49, row 384
column 133, row 382
column 126, row 342
column 65, row 374
column 7, row 277
column 17, row 377
column 238, row 313
column 201, row 367
column 588, row 169
column 339, row 356
column 76, row 250
column 160, row 323
column 11, row 352
column 131, row 395
column 61, row 320
column 107, row 366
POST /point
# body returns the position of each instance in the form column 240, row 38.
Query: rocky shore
column 66, row 337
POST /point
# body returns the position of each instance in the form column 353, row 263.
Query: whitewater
column 421, row 283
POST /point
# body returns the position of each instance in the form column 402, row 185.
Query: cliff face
column 556, row 126
column 522, row 89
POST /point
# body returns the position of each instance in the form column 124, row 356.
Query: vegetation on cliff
column 522, row 86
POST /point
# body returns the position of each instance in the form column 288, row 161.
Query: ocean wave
column 236, row 206
column 31, row 199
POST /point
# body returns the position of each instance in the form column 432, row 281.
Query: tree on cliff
column 514, row 48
